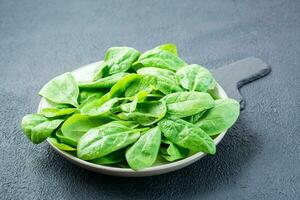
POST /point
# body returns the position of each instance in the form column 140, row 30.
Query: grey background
column 258, row 159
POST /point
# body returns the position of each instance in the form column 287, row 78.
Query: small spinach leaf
column 119, row 88
column 106, row 82
column 173, row 152
column 145, row 83
column 195, row 78
column 62, row 89
column 159, row 58
column 37, row 128
column 184, row 104
column 220, row 117
column 187, row 135
column 168, row 47
column 61, row 146
column 56, row 113
column 146, row 113
column 112, row 158
column 117, row 59
column 143, row 153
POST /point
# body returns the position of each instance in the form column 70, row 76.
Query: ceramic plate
column 85, row 73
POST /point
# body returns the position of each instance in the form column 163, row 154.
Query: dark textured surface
column 259, row 158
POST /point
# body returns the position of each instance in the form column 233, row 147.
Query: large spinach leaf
column 143, row 153
column 187, row 135
column 220, row 117
column 106, row 139
column 62, row 89
column 184, row 104
column 77, row 125
column 119, row 88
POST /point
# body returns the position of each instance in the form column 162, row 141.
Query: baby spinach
column 184, row 104
column 56, row 113
column 158, row 57
column 172, row 152
column 105, row 139
column 165, row 79
column 112, row 158
column 117, row 60
column 146, row 113
column 77, row 125
column 139, row 110
column 146, row 83
column 61, row 146
column 143, row 153
column 120, row 87
column 187, row 135
column 168, row 47
column 106, row 82
column 62, row 89
column 195, row 78
column 37, row 128
column 220, row 117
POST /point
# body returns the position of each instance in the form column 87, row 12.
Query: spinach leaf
column 61, row 146
column 187, row 135
column 143, row 153
column 106, row 82
column 184, row 104
column 146, row 113
column 65, row 140
column 165, row 79
column 106, row 139
column 56, row 113
column 172, row 152
column 195, row 78
column 159, row 58
column 119, row 88
column 139, row 97
column 195, row 118
column 117, row 59
column 37, row 127
column 112, row 158
column 86, row 95
column 168, row 47
column 62, row 89
column 220, row 117
column 146, row 83
column 77, row 125
column 98, row 107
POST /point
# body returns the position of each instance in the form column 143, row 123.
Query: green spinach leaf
column 62, row 89
column 77, row 125
column 195, row 78
column 112, row 158
column 106, row 82
column 184, row 104
column 143, row 153
column 187, row 135
column 61, row 146
column 146, row 113
column 220, row 117
column 57, row 113
column 172, row 152
column 106, row 139
column 117, row 59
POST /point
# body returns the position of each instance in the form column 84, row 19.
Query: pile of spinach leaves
column 139, row 108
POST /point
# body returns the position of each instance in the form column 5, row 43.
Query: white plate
column 85, row 73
